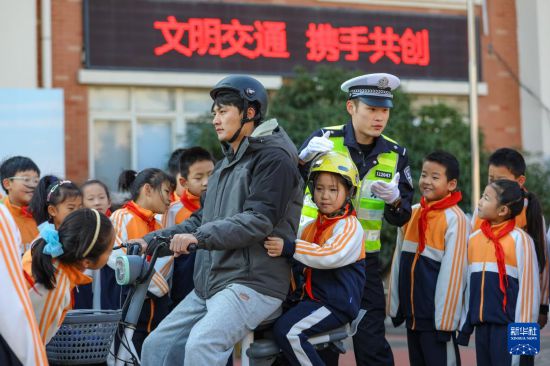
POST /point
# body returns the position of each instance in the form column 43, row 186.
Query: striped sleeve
column 451, row 280
column 16, row 316
column 50, row 306
column 342, row 248
column 164, row 268
column 120, row 220
column 528, row 302
column 392, row 306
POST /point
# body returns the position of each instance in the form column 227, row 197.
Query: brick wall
column 499, row 111
column 67, row 45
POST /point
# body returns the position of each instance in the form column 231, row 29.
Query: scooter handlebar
column 163, row 245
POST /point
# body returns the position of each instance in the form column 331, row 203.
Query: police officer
column 386, row 192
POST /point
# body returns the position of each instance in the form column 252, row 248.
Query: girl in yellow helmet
column 330, row 250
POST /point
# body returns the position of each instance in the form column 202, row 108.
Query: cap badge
column 383, row 83
column 250, row 92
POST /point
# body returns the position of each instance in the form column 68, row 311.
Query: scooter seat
column 265, row 348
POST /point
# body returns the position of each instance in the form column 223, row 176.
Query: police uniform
column 385, row 159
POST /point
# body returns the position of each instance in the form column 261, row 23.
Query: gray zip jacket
column 252, row 194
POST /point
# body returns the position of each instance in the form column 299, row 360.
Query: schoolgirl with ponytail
column 54, row 199
column 506, row 163
column 150, row 192
column 55, row 264
column 503, row 282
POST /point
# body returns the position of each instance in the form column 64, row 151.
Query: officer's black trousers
column 369, row 343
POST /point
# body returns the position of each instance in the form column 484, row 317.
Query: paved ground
column 398, row 341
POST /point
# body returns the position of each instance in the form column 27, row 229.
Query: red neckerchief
column 321, row 224
column 190, row 201
column 25, row 212
column 135, row 209
column 108, row 213
column 425, row 208
column 499, row 253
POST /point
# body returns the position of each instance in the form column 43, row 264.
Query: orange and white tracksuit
column 51, row 306
column 181, row 209
column 484, row 305
column 544, row 275
column 18, row 325
column 426, row 288
column 25, row 222
column 129, row 226
column 332, row 251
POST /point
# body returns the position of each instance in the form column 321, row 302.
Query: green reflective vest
column 369, row 208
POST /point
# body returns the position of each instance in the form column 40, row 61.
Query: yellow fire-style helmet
column 334, row 162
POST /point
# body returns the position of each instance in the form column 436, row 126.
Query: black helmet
column 247, row 87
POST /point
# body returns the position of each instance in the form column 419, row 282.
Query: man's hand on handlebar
column 139, row 241
column 180, row 243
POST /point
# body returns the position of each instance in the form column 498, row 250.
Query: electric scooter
column 136, row 271
column 262, row 351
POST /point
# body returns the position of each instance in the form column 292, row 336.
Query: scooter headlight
column 122, row 270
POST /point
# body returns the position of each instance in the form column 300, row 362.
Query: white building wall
column 534, row 58
column 18, row 44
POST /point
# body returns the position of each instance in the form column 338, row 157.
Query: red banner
column 268, row 39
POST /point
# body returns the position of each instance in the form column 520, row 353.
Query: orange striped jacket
column 27, row 225
column 426, row 289
column 129, row 226
column 51, row 306
column 336, row 265
column 17, row 320
column 178, row 212
column 483, row 299
column 544, row 275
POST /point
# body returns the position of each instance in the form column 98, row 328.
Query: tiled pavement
column 398, row 341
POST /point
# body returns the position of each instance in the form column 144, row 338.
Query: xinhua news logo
column 523, row 339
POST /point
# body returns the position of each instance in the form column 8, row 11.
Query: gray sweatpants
column 203, row 332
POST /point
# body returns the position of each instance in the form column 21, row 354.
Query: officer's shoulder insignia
column 335, row 131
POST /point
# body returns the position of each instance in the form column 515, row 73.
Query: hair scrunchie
column 53, row 246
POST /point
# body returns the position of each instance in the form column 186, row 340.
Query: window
column 153, row 144
column 112, row 150
column 138, row 128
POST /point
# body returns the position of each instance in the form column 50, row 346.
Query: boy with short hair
column 195, row 166
column 19, row 176
column 428, row 274
column 506, row 163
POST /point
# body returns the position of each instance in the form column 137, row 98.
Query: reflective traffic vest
column 369, row 208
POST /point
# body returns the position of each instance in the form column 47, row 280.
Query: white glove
column 388, row 192
column 317, row 145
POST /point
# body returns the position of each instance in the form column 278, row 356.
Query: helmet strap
column 244, row 120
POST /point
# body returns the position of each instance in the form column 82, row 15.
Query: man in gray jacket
column 254, row 192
